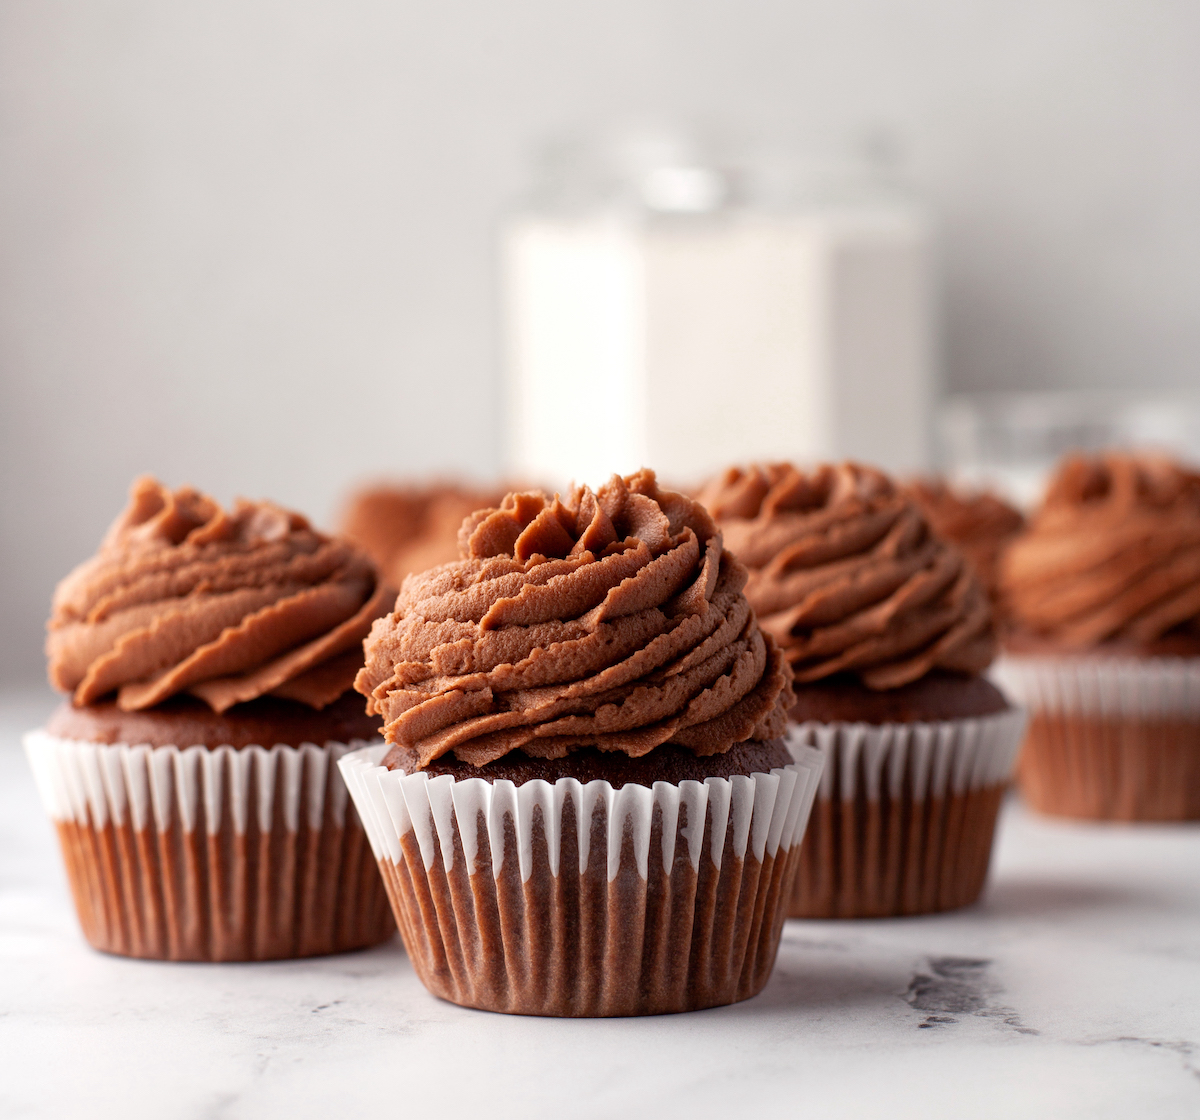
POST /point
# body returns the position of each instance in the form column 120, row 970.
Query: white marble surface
column 1083, row 1001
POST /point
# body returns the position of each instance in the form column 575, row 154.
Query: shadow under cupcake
column 587, row 806
column 191, row 775
column 888, row 631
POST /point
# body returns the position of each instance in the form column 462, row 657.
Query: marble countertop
column 1073, row 990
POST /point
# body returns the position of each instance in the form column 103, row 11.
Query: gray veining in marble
column 1072, row 991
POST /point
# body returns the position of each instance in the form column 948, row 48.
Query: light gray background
column 249, row 244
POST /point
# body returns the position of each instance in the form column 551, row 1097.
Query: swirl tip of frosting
column 227, row 605
column 762, row 490
column 1115, row 481
column 631, row 508
column 157, row 515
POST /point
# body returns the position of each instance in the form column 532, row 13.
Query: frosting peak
column 847, row 577
column 1112, row 555
column 185, row 596
column 611, row 618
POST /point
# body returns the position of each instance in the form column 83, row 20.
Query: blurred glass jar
column 1010, row 442
column 679, row 303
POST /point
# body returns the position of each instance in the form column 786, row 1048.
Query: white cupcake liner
column 441, row 809
column 1149, row 687
column 905, row 816
column 210, row 854
column 1110, row 738
column 91, row 783
column 506, row 903
column 930, row 759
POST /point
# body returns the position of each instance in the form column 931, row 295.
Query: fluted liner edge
column 578, row 899
column 207, row 854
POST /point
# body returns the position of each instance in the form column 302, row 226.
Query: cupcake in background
column 587, row 806
column 979, row 524
column 410, row 528
column 208, row 656
column 888, row 630
column 1103, row 593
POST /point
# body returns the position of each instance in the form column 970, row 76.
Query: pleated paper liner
column 1110, row 738
column 211, row 855
column 905, row 815
column 585, row 900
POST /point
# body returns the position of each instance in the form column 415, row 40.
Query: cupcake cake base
column 584, row 899
column 1112, row 769
column 891, row 857
column 905, row 816
column 210, row 853
column 1110, row 738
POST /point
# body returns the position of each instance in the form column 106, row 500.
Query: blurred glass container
column 677, row 304
column 1009, row 442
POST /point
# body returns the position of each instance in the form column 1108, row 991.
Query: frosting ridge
column 980, row 525
column 847, row 577
column 1111, row 556
column 228, row 605
column 611, row 618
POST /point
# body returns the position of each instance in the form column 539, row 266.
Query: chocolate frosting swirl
column 1111, row 557
column 612, row 619
column 410, row 528
column 979, row 525
column 184, row 596
column 847, row 577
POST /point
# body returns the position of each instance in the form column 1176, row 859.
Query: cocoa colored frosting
column 847, row 577
column 410, row 528
column 980, row 525
column 1112, row 557
column 184, row 596
column 612, row 619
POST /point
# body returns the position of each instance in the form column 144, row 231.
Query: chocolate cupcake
column 1103, row 590
column 586, row 806
column 410, row 528
column 888, row 631
column 209, row 657
column 979, row 524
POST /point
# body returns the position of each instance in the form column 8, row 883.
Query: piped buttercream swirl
column 612, row 619
column 846, row 576
column 980, row 525
column 1111, row 556
column 184, row 596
